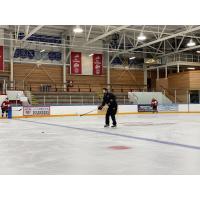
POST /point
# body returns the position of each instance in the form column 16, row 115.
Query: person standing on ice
column 154, row 105
column 4, row 107
column 110, row 100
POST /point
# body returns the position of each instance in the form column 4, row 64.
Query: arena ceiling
column 161, row 40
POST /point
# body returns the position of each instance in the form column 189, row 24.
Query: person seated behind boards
column 154, row 105
column 5, row 106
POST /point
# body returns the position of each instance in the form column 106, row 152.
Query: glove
column 100, row 107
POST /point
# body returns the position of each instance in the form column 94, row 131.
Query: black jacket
column 110, row 100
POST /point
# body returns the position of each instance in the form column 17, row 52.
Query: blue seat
column 38, row 55
column 17, row 53
column 51, row 55
column 31, row 54
column 21, row 36
column 116, row 61
column 58, row 56
column 23, row 53
column 42, row 38
column 31, row 38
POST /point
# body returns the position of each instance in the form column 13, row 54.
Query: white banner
column 36, row 111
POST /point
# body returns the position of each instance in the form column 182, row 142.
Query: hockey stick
column 88, row 112
column 17, row 110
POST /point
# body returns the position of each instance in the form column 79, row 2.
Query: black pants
column 155, row 109
column 4, row 111
column 111, row 112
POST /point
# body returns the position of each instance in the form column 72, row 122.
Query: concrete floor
column 141, row 144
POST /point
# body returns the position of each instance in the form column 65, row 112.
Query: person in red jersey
column 4, row 107
column 154, row 105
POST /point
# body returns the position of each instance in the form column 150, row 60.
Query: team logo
column 27, row 111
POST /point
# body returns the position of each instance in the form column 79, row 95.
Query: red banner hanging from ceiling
column 76, row 64
column 1, row 59
column 97, row 64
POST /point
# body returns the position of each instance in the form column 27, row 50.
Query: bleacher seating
column 30, row 54
column 75, row 98
column 41, row 38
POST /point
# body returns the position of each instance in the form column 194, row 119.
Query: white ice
column 158, row 144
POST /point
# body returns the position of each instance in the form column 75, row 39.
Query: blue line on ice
column 118, row 135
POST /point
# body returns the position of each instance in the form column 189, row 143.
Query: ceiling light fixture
column 192, row 68
column 141, row 37
column 78, row 29
column 132, row 58
column 42, row 50
column 191, row 43
column 150, row 61
column 91, row 54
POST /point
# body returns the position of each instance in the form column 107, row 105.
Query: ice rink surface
column 141, row 144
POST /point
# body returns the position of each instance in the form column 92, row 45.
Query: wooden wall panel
column 6, row 73
column 39, row 74
column 126, row 77
column 43, row 73
column 34, row 75
column 7, row 67
column 130, row 77
column 179, row 81
column 161, row 84
column 194, row 79
column 183, row 80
